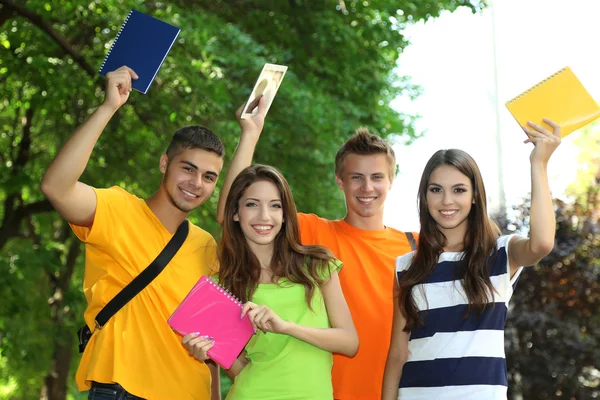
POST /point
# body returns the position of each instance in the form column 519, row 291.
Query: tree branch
column 40, row 23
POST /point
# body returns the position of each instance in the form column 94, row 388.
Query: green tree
column 341, row 56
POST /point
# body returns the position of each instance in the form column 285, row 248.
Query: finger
column 203, row 352
column 247, row 307
column 539, row 128
column 532, row 133
column 553, row 124
column 262, row 105
column 197, row 346
column 555, row 127
column 132, row 73
column 189, row 337
column 254, row 103
column 238, row 112
column 255, row 311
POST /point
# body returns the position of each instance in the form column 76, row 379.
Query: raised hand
column 265, row 319
column 545, row 142
column 198, row 346
column 253, row 125
column 118, row 87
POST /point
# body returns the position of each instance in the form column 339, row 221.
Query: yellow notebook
column 561, row 98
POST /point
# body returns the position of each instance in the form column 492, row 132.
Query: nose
column 264, row 212
column 196, row 181
column 447, row 199
column 367, row 185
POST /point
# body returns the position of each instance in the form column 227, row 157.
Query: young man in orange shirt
column 364, row 167
column 136, row 353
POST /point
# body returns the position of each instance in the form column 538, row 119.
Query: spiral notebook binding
column 536, row 85
column 116, row 39
column 226, row 292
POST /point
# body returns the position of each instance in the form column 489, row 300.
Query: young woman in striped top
column 448, row 330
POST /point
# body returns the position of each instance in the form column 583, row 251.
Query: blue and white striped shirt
column 450, row 356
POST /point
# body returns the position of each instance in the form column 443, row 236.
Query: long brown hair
column 479, row 242
column 239, row 270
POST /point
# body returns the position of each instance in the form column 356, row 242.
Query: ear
column 236, row 217
column 339, row 182
column 164, row 161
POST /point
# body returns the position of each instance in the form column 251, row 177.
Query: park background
column 424, row 74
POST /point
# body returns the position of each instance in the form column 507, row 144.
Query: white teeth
column 448, row 213
column 366, row 199
column 262, row 227
column 188, row 193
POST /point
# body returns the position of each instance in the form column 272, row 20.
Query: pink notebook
column 213, row 311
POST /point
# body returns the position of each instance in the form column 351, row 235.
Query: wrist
column 107, row 109
column 288, row 328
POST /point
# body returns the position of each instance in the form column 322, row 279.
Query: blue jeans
column 110, row 391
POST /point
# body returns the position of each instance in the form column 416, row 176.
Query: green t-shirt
column 281, row 367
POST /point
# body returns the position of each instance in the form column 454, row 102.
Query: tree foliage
column 341, row 56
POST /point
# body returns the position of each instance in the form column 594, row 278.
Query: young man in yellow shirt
column 136, row 353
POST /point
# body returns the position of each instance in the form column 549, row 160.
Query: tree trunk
column 55, row 382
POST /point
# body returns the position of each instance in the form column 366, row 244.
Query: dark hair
column 479, row 242
column 364, row 142
column 239, row 268
column 195, row 137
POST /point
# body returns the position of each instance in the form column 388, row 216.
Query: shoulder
column 403, row 261
column 200, row 236
column 503, row 241
column 114, row 194
column 312, row 219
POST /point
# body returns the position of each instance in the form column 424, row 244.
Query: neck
column 169, row 215
column 455, row 238
column 372, row 223
column 264, row 253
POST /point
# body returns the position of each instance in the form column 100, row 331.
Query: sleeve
column 402, row 264
column 333, row 265
column 212, row 261
column 308, row 224
column 503, row 248
column 109, row 204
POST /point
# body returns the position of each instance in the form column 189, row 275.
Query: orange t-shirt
column 137, row 348
column 367, row 280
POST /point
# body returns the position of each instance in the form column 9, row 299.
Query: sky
column 452, row 59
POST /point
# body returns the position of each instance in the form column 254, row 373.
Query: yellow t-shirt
column 137, row 348
column 367, row 280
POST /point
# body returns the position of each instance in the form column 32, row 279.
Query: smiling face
column 190, row 177
column 260, row 215
column 449, row 200
column 366, row 181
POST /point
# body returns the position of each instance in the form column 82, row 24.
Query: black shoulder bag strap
column 136, row 285
column 411, row 240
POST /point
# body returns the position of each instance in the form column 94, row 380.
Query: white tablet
column 267, row 84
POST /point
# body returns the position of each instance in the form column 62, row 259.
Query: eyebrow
column 457, row 185
column 191, row 164
column 253, row 199
column 374, row 173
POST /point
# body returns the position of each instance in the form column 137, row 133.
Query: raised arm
column 542, row 221
column 242, row 158
column 340, row 338
column 75, row 201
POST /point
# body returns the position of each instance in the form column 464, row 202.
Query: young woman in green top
column 291, row 292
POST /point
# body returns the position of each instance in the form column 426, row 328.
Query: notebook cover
column 142, row 44
column 561, row 98
column 211, row 310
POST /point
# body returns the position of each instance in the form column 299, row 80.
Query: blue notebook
column 142, row 44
